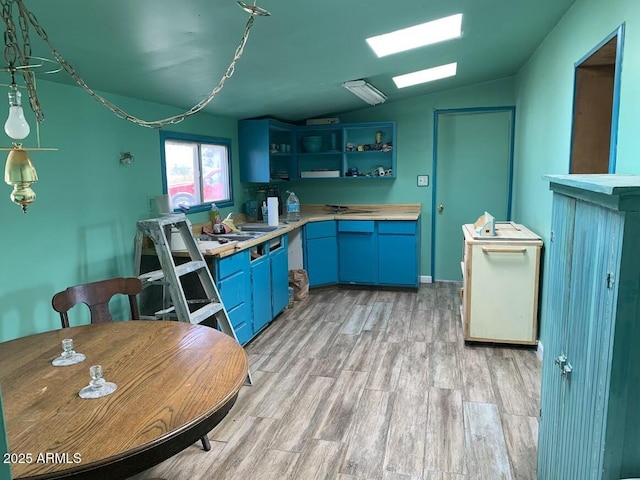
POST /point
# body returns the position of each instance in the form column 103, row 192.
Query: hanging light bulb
column 16, row 125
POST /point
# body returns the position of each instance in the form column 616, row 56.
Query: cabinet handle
column 566, row 370
column 561, row 361
column 503, row 250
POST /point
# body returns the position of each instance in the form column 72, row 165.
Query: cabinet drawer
column 401, row 227
column 232, row 264
column 363, row 226
column 233, row 290
column 320, row 229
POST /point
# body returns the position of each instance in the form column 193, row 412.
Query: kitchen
column 82, row 224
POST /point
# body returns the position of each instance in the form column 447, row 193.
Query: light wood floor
column 367, row 384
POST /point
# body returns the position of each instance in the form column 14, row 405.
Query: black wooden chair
column 96, row 296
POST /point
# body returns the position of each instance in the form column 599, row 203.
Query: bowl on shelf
column 312, row 143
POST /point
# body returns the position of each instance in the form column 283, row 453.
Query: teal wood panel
column 279, row 278
column 557, row 308
column 623, row 435
column 260, row 293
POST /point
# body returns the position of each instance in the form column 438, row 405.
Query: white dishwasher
column 500, row 284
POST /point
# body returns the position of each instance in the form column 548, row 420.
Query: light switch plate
column 423, row 180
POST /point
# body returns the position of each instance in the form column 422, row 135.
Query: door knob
column 440, row 208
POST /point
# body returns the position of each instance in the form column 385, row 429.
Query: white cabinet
column 500, row 285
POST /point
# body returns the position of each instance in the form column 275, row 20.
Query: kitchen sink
column 250, row 227
column 232, row 237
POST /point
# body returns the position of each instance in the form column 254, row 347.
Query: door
column 560, row 252
column 587, row 343
column 279, row 278
column 472, row 174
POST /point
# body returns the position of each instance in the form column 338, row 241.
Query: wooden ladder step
column 205, row 312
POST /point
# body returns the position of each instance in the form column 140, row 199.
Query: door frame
column 615, row 110
column 434, row 166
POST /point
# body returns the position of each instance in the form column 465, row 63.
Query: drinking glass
column 97, row 387
column 69, row 356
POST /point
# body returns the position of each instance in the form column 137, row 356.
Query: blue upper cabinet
column 267, row 151
column 370, row 150
column 272, row 150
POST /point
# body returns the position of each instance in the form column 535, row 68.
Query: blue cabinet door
column 233, row 283
column 279, row 278
column 322, row 261
column 261, row 292
column 398, row 260
column 398, row 247
column 560, row 251
column 358, row 262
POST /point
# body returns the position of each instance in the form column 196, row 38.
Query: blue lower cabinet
column 234, row 285
column 321, row 253
column 398, row 253
column 357, row 252
column 279, row 278
column 385, row 252
column 240, row 318
column 321, row 261
column 261, row 292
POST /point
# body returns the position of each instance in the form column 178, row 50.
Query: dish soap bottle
column 215, row 215
column 293, row 208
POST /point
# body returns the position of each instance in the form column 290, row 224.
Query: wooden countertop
column 315, row 213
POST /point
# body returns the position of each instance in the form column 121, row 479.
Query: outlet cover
column 423, row 180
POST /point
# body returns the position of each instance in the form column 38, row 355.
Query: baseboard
column 540, row 350
column 426, row 279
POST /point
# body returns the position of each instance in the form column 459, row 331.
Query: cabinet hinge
column 540, row 414
column 552, row 237
column 610, row 280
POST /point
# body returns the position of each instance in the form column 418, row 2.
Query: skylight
column 428, row 75
column 417, row 36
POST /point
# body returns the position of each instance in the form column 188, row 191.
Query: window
column 196, row 170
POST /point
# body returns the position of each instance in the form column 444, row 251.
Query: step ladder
column 175, row 302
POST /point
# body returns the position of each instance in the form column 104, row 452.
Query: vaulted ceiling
column 175, row 51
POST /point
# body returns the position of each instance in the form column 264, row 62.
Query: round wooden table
column 175, row 381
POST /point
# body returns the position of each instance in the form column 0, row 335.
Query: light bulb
column 16, row 125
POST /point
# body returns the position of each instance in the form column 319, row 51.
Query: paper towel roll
column 163, row 204
column 272, row 207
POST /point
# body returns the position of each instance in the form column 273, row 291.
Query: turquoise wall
column 414, row 153
column 545, row 101
column 82, row 225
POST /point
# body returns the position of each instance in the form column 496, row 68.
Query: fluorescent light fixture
column 417, row 36
column 365, row 91
column 428, row 75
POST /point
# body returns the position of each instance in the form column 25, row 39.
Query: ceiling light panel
column 428, row 75
column 417, row 36
column 365, row 91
